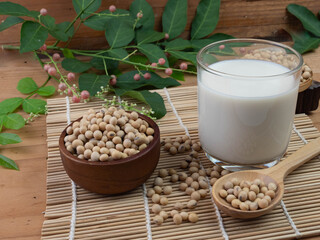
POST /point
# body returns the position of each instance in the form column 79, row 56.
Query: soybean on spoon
column 275, row 174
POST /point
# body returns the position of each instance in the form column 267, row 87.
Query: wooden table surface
column 23, row 193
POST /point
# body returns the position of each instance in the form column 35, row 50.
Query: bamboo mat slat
column 123, row 216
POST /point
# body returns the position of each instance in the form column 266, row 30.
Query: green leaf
column 178, row 75
column 99, row 21
column 153, row 53
column 119, row 32
column 138, row 59
column 148, row 36
column 9, row 22
column 46, row 91
column 8, row 163
column 206, row 18
column 227, row 51
column 87, row 5
column 14, row 9
column 97, row 62
column 307, row 18
column 37, row 106
column 13, row 121
column 172, row 61
column 126, row 81
column 188, row 56
column 178, row 44
column 33, row 36
column 9, row 138
column 118, row 53
column 48, row 21
column 27, row 85
column 92, row 82
column 67, row 53
column 10, row 105
column 154, row 100
column 220, row 36
column 75, row 65
column 2, row 117
column 200, row 43
column 59, row 31
column 62, row 27
column 174, row 18
column 304, row 42
column 147, row 21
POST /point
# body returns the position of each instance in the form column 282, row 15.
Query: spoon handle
column 298, row 158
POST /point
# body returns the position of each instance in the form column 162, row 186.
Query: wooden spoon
column 274, row 174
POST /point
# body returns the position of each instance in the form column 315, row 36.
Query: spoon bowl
column 248, row 175
column 274, row 174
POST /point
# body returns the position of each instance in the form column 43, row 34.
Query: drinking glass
column 247, row 93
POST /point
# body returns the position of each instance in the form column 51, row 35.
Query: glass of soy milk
column 247, row 93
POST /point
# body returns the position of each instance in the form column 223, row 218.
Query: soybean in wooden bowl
column 117, row 176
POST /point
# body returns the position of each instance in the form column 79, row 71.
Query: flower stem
column 105, row 67
column 44, row 84
column 128, row 62
column 61, row 75
column 95, row 53
column 74, row 20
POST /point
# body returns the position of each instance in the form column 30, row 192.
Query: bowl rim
column 151, row 145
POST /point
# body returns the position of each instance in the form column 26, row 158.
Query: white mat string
column 145, row 199
column 283, row 206
column 175, row 112
column 294, row 227
column 299, row 134
column 74, row 188
column 223, row 231
column 146, row 209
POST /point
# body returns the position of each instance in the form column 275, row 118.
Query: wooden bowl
column 116, row 176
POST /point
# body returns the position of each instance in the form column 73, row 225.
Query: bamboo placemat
column 127, row 216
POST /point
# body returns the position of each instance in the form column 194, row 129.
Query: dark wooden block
column 308, row 100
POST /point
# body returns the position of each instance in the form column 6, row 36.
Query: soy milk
column 246, row 120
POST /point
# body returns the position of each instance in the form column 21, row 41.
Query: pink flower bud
column 147, row 75
column 43, row 47
column 52, row 71
column 70, row 92
column 85, row 94
column 43, row 11
column 136, row 77
column 166, row 36
column 113, row 80
column 46, row 67
column 168, row 71
column 56, row 56
column 75, row 99
column 183, row 66
column 139, row 15
column 62, row 86
column 221, row 47
column 71, row 76
column 161, row 61
column 112, row 8
column 154, row 64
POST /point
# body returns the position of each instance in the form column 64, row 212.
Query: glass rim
column 252, row 40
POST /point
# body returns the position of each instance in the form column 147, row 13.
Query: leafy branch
column 132, row 40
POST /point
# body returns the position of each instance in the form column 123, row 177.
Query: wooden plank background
column 241, row 18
